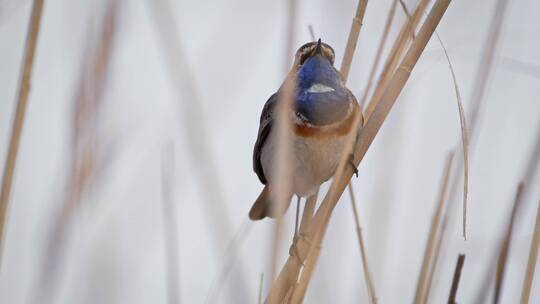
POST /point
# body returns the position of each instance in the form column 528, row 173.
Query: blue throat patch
column 320, row 97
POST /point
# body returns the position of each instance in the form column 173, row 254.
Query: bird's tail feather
column 263, row 206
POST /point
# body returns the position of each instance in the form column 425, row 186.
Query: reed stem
column 20, row 111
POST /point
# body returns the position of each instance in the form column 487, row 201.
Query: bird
column 322, row 112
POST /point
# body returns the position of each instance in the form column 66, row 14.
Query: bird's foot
column 299, row 239
column 351, row 162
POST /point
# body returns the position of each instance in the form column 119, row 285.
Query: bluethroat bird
column 322, row 113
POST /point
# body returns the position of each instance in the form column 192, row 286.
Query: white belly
column 313, row 161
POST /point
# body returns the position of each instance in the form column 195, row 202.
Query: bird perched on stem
column 322, row 112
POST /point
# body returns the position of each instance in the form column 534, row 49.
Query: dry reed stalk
column 352, row 40
column 311, row 32
column 436, row 256
column 531, row 262
column 407, row 14
column 259, row 298
column 363, row 254
column 84, row 165
column 345, row 68
column 455, row 280
column 476, row 103
column 18, row 121
column 292, row 16
column 533, row 162
column 486, row 64
column 369, row 131
column 406, row 32
column 195, row 128
column 429, row 251
column 380, row 50
column 364, row 140
column 519, row 66
column 287, row 280
column 434, row 248
column 531, row 167
column 464, row 139
column 276, row 240
column 280, row 191
column 170, row 229
column 505, row 247
column 481, row 81
column 282, row 187
column 463, row 125
column 231, row 255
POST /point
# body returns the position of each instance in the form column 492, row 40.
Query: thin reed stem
column 531, row 262
column 84, row 162
column 463, row 125
column 531, row 166
column 20, row 111
column 261, row 281
column 363, row 254
column 352, row 40
column 231, row 256
column 455, row 280
column 475, row 108
column 480, row 85
column 292, row 16
column 280, row 194
column 194, row 125
column 170, row 229
column 464, row 139
column 345, row 67
column 436, row 257
column 311, row 32
column 380, row 50
column 505, row 248
column 429, row 250
column 287, row 279
column 395, row 55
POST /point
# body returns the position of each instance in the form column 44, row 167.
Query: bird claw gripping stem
column 294, row 251
column 351, row 162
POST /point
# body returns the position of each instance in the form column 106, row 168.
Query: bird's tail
column 263, row 206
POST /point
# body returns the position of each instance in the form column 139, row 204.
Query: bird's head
column 321, row 96
column 311, row 49
column 314, row 66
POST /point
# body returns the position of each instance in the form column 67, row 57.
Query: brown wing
column 265, row 125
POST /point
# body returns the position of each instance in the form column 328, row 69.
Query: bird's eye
column 306, row 53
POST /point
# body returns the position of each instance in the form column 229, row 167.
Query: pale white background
column 235, row 49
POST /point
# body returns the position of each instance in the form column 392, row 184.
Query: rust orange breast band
column 341, row 129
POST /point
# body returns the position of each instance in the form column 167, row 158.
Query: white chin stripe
column 320, row 88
